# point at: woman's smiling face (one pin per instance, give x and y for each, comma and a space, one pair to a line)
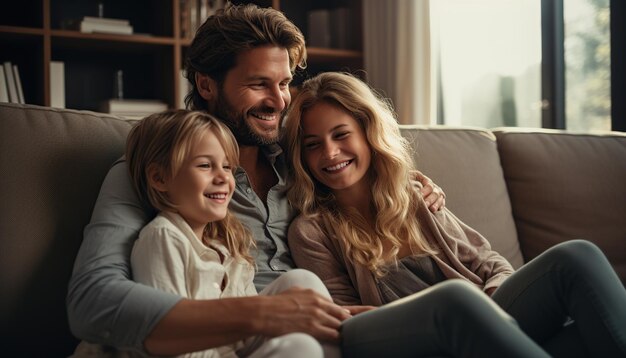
335, 148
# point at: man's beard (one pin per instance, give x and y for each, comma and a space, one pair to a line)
237, 123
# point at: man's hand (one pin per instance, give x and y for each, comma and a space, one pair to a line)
433, 195
303, 310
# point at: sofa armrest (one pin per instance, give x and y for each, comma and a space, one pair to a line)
52, 163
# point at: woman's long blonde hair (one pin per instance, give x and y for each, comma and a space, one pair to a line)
394, 198
164, 140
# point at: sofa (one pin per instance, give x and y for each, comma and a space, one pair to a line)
525, 190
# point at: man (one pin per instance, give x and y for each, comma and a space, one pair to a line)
240, 64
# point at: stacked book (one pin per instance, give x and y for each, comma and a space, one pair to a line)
90, 24
10, 84
331, 28
193, 13
132, 108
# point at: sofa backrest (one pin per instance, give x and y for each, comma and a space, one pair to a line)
466, 164
566, 186
52, 163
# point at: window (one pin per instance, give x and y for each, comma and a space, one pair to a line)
490, 71
587, 65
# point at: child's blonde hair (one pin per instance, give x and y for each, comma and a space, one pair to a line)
163, 141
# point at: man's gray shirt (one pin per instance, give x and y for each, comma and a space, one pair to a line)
105, 306
268, 224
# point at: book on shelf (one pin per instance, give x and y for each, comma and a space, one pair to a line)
57, 84
185, 26
319, 28
11, 85
185, 88
18, 85
193, 18
331, 28
91, 24
106, 21
209, 8
341, 28
132, 108
4, 92
87, 26
193, 13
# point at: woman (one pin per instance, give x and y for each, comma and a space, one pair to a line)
365, 231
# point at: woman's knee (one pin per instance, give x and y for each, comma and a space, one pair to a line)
455, 291
445, 297
450, 306
575, 254
461, 300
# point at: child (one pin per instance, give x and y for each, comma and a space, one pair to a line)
366, 232
181, 163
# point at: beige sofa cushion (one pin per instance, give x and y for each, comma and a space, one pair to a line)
465, 163
52, 163
567, 186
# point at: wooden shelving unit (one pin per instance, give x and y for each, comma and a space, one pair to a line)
151, 58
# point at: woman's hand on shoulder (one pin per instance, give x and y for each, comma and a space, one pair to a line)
433, 195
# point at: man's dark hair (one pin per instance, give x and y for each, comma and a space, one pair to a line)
229, 32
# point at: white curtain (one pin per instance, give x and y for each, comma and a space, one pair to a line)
397, 56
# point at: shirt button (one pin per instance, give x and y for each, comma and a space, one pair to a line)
248, 190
